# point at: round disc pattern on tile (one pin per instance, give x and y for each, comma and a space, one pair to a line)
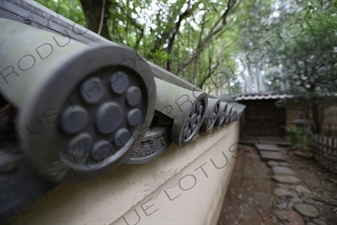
104, 117
74, 119
193, 120
212, 118
92, 90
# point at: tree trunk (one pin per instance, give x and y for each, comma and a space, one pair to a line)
316, 118
93, 11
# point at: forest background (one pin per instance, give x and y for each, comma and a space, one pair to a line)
228, 47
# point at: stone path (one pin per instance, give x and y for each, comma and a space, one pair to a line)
282, 170
267, 147
271, 152
272, 156
286, 179
291, 191
264, 140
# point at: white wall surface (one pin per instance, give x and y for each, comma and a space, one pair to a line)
192, 193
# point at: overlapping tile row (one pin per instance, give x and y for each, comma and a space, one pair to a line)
84, 105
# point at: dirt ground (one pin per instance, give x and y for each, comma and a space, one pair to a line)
250, 199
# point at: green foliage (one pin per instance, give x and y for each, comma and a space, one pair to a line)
291, 46
69, 9
192, 39
299, 136
227, 47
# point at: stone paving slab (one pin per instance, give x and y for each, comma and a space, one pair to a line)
331, 202
307, 200
289, 194
286, 179
284, 164
302, 190
285, 186
291, 216
306, 210
282, 170
272, 156
319, 222
284, 192
267, 147
264, 140
272, 163
296, 200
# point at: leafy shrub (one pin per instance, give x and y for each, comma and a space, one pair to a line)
299, 136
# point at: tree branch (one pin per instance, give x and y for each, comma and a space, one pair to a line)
92, 12
134, 23
102, 18
174, 32
216, 28
210, 70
